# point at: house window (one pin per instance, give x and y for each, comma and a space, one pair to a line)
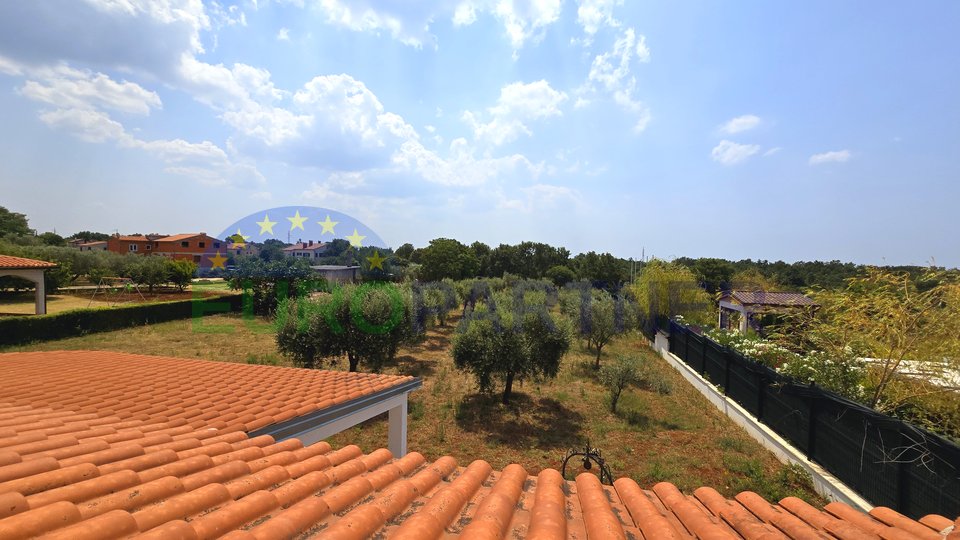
184, 244
202, 244
133, 247
216, 244
148, 246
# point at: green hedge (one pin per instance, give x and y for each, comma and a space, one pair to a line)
20, 330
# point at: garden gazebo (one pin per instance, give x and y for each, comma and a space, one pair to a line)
29, 269
748, 304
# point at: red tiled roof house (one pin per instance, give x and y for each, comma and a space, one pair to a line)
189, 246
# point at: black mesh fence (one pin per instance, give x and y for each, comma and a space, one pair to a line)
888, 461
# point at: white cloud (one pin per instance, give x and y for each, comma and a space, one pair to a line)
518, 103
70, 88
740, 124
526, 19
410, 22
611, 71
593, 14
261, 196
772, 151
462, 167
134, 35
731, 153
464, 15
836, 156
540, 196
283, 34
86, 124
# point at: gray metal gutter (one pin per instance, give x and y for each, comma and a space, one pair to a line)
295, 427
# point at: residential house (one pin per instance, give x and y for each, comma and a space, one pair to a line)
189, 246
310, 249
100, 245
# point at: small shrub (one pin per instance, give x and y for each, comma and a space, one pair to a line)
616, 377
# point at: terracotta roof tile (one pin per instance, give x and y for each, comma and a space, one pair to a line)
166, 479
770, 298
12, 263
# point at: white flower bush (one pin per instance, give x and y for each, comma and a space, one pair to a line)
844, 375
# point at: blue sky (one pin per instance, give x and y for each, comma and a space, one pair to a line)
810, 130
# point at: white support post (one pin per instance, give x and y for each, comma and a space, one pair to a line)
397, 436
40, 296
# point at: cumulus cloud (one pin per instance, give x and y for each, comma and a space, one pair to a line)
611, 72
71, 88
731, 153
518, 104
594, 14
133, 35
410, 22
740, 124
283, 34
835, 156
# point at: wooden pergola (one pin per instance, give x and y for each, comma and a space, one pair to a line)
751, 303
32, 270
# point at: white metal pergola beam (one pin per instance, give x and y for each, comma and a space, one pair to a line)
319, 425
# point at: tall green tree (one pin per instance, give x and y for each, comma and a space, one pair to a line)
714, 274
13, 223
667, 289
447, 258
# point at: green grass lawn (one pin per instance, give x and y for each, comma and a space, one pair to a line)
678, 437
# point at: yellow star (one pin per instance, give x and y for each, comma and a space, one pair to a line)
266, 226
327, 225
376, 261
239, 240
296, 222
355, 239
217, 260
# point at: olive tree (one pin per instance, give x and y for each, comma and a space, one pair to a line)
366, 324
504, 341
617, 376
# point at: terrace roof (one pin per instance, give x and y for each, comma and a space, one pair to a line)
8, 262
72, 468
763, 298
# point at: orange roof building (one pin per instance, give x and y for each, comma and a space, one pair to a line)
188, 246
86, 454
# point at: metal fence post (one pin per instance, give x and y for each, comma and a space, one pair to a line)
726, 371
903, 474
811, 429
761, 391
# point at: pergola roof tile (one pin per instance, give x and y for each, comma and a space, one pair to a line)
763, 298
9, 262
151, 478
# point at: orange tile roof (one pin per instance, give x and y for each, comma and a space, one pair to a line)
158, 389
16, 263
132, 238
76, 475
178, 237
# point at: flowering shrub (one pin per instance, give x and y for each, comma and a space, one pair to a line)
843, 374
761, 350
